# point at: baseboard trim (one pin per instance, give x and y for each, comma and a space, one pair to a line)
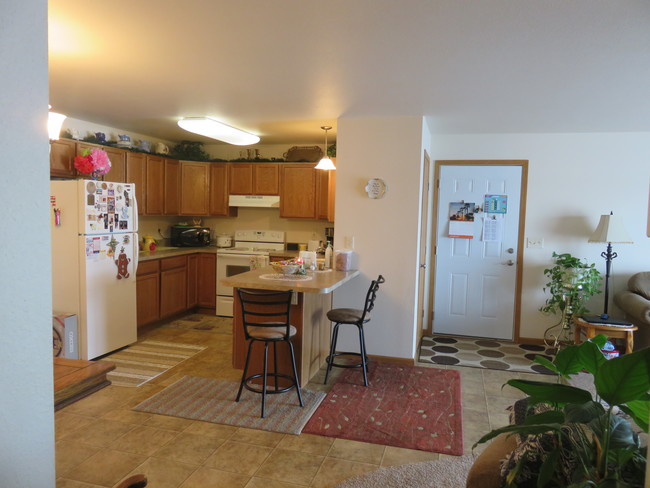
390, 359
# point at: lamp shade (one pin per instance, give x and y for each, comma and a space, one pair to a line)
54, 123
209, 127
610, 229
325, 163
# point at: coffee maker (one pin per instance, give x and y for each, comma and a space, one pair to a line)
329, 235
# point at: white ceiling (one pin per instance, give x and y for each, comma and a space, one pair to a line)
283, 68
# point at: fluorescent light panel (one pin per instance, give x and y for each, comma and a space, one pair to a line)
209, 127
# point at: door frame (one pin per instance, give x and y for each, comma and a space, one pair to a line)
520, 238
424, 256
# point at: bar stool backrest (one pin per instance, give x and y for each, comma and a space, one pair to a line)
371, 296
262, 308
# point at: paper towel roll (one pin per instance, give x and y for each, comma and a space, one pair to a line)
313, 245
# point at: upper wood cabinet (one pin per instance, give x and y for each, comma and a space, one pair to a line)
62, 153
195, 178
298, 190
254, 179
117, 173
172, 187
219, 189
136, 172
326, 187
155, 184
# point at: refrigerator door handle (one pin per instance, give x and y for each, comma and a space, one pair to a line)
136, 252
136, 217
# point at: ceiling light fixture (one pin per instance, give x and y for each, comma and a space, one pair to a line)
209, 127
54, 123
325, 163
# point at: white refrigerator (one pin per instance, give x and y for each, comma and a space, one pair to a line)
94, 261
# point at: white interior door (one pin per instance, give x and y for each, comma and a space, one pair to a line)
476, 274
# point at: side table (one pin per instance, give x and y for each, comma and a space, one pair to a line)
615, 331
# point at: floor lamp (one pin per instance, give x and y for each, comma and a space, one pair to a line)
610, 230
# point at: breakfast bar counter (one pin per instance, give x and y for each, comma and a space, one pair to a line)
312, 301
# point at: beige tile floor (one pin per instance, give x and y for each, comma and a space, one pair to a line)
100, 440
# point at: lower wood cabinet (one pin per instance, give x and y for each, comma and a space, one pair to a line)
169, 286
148, 292
173, 286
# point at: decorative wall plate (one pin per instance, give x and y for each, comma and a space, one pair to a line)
376, 188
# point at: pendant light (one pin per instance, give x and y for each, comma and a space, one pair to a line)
325, 163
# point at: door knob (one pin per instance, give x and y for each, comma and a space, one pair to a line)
510, 262
510, 250
423, 266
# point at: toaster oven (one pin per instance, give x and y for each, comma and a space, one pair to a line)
185, 236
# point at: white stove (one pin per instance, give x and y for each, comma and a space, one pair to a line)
251, 249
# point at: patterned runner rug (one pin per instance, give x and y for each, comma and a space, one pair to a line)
213, 400
143, 361
403, 406
201, 322
483, 353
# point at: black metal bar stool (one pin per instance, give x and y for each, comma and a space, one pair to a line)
358, 318
266, 318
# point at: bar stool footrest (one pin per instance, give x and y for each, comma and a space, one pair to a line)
270, 390
330, 360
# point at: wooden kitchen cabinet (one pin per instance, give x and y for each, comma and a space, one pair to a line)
207, 281
154, 185
62, 153
298, 190
173, 286
148, 292
195, 178
117, 173
192, 281
172, 187
136, 172
219, 190
326, 187
254, 179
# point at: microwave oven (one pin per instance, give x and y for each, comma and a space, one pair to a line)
184, 236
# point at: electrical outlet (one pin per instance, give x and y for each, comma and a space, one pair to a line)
535, 243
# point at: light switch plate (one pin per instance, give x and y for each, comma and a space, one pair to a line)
535, 243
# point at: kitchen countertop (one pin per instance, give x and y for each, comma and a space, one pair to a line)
321, 281
170, 252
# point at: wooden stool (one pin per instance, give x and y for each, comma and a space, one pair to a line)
615, 331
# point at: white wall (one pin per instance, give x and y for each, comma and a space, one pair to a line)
26, 404
572, 180
385, 230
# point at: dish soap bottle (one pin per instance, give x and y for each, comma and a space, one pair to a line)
328, 256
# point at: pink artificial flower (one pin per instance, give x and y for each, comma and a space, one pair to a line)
101, 163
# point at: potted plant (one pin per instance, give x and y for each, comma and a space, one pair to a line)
581, 441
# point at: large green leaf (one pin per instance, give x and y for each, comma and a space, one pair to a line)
568, 360
639, 410
625, 378
621, 434
583, 413
590, 354
548, 468
548, 417
518, 429
546, 363
556, 393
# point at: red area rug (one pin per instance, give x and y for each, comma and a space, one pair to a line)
404, 406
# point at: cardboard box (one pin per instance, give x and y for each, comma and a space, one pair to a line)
65, 336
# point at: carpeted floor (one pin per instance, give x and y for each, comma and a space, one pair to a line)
213, 400
483, 353
404, 406
443, 473
143, 361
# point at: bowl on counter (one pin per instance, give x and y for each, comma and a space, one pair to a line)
285, 268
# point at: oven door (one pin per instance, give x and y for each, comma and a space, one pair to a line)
231, 265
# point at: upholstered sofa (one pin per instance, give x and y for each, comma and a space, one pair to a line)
635, 303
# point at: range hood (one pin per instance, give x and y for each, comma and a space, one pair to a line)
264, 201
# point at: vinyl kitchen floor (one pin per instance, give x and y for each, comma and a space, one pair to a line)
100, 440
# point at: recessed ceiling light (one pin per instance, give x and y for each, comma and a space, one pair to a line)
209, 127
